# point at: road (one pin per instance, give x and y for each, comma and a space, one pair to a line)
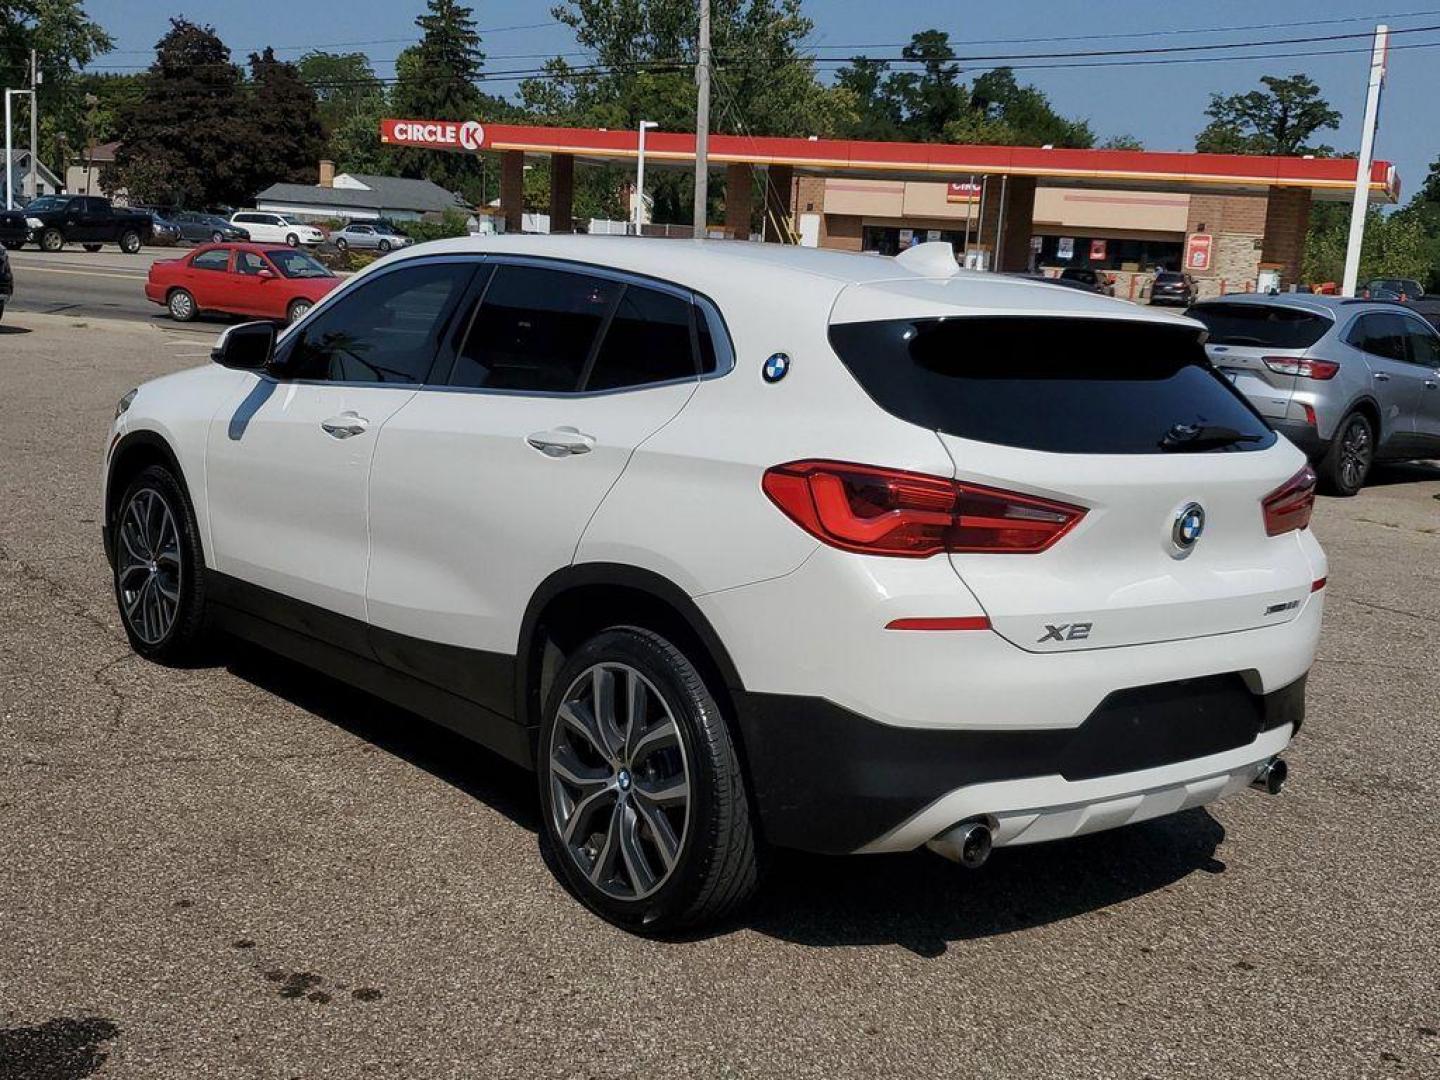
106, 283
241, 869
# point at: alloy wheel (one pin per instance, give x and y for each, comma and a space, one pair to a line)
182, 306
149, 568
619, 781
1356, 451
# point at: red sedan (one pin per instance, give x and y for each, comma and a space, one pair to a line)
263, 280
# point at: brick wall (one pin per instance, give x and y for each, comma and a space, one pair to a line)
1287, 219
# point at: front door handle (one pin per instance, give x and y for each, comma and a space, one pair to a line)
1380, 376
561, 442
345, 425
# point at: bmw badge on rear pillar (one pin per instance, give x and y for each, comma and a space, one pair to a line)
962, 592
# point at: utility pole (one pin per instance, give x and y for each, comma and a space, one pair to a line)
702, 121
1361, 202
34, 126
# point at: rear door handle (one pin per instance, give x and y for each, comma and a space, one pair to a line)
561, 442
1380, 376
345, 425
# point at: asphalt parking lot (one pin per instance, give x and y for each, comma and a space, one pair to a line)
243, 869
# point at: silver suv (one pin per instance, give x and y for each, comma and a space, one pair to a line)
1350, 382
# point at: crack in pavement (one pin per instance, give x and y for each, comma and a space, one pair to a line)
1391, 610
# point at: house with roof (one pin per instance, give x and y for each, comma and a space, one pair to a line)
360, 197
19, 178
82, 175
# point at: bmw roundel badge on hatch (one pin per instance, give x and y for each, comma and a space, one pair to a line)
776, 368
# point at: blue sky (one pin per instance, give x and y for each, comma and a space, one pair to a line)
1162, 104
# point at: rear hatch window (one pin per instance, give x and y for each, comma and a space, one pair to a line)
1062, 385
1266, 326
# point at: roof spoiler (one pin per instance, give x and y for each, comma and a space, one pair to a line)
935, 258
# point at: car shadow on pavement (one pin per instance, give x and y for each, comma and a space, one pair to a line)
459, 762
918, 901
1408, 472
6, 329
923, 902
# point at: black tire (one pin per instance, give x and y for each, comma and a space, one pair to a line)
384, 246
342, 245
182, 635
52, 240
292, 240
217, 237
181, 305
91, 247
1347, 463
130, 241
296, 311
714, 869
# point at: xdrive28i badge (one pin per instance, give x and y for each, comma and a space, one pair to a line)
776, 367
1187, 528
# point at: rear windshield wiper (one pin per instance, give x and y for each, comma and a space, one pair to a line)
1184, 438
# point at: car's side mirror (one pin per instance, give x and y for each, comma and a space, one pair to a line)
247, 347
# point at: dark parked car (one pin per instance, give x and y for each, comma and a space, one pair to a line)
7, 281
1392, 289
1084, 277
163, 231
1173, 287
88, 220
13, 230
201, 228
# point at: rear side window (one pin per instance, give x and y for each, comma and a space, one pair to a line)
534, 329
1380, 334
648, 341
1059, 385
1268, 326
216, 259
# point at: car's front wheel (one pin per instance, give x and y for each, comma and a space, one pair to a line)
292, 240
342, 245
159, 570
296, 311
52, 240
1346, 464
643, 800
384, 246
217, 237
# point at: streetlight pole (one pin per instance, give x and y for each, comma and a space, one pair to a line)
35, 126
702, 121
1361, 202
645, 125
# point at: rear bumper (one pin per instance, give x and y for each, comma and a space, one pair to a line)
1305, 437
827, 779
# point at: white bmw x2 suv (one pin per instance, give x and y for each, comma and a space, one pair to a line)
737, 544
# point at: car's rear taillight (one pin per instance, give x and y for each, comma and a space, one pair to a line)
1306, 369
891, 512
1289, 506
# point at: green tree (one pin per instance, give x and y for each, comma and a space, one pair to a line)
1281, 119
181, 142
287, 137
345, 86
1025, 112
65, 40
1396, 244
1122, 142
878, 115
933, 96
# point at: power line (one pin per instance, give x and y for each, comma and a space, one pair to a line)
327, 47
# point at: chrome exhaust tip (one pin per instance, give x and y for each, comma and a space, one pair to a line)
968, 844
1271, 777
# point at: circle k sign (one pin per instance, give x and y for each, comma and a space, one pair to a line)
472, 135
439, 134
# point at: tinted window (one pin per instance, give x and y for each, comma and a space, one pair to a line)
648, 341
1424, 345
715, 351
386, 330
1270, 326
244, 218
1380, 334
215, 259
1168, 279
534, 329
1061, 385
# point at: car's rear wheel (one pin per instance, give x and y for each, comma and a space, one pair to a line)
1346, 465
296, 311
91, 247
292, 240
130, 241
52, 240
181, 305
159, 571
645, 813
